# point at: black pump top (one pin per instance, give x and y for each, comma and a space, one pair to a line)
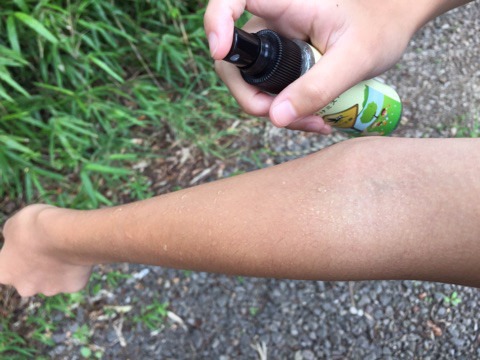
266, 59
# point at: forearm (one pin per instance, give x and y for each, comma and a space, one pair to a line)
426, 10
371, 209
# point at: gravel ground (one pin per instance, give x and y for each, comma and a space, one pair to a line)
234, 318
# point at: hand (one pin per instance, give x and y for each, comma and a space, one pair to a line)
360, 39
29, 259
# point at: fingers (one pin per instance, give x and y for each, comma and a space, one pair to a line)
335, 73
219, 22
251, 99
221, 15
314, 124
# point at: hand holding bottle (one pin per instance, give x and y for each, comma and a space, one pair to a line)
359, 40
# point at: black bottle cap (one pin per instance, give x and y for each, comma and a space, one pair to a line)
266, 59
245, 49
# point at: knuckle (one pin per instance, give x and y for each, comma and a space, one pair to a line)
255, 105
250, 104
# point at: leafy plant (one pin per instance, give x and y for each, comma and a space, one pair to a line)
63, 303
113, 278
11, 342
453, 299
153, 315
82, 334
77, 79
88, 89
467, 127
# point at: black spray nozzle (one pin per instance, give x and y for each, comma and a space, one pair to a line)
266, 59
245, 48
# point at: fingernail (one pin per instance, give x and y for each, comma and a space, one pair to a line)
213, 43
284, 114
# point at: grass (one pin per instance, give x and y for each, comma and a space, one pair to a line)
78, 78
13, 343
152, 316
29, 335
467, 126
88, 90
453, 299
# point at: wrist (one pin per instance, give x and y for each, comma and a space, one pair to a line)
62, 236
423, 11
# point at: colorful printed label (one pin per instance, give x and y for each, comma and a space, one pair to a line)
369, 108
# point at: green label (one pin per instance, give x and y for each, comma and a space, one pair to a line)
369, 108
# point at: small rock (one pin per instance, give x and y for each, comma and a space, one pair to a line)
141, 274
59, 338
364, 300
308, 355
453, 332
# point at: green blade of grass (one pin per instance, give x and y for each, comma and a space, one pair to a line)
9, 53
22, 5
5, 76
12, 143
12, 34
46, 173
37, 26
88, 188
104, 169
106, 68
4, 94
55, 88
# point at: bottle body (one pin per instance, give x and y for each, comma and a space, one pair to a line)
369, 108
271, 62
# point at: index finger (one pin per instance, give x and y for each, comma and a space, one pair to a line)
221, 15
252, 100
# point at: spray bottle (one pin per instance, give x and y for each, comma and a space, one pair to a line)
271, 62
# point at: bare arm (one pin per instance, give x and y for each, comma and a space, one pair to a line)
362, 209
426, 10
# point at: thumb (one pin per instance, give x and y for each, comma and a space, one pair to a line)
221, 15
336, 72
